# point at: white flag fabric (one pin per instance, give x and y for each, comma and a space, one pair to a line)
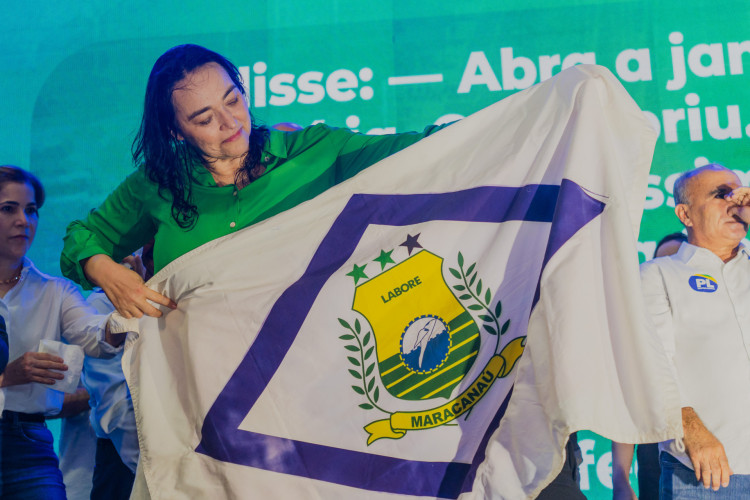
367, 343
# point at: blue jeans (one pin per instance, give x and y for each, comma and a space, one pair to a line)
678, 482
29, 468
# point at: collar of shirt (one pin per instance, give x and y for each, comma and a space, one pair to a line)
691, 254
274, 149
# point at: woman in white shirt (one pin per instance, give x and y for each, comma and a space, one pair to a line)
35, 306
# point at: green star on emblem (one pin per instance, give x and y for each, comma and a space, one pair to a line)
357, 273
384, 259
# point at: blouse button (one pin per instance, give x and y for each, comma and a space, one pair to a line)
234, 193
232, 224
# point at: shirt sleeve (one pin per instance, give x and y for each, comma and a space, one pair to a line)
659, 313
118, 227
82, 325
360, 151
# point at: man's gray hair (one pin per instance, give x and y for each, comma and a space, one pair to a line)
681, 184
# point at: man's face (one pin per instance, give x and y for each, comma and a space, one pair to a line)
708, 216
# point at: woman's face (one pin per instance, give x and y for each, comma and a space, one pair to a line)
18, 220
211, 113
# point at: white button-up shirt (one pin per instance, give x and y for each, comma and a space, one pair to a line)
112, 414
701, 309
46, 307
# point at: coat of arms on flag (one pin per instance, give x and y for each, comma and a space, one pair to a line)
423, 339
368, 344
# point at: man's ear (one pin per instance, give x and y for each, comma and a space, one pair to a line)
682, 211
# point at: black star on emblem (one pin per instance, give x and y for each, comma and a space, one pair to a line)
411, 243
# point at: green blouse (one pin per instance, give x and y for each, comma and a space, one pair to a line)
299, 166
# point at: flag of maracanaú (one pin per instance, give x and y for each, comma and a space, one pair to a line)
434, 327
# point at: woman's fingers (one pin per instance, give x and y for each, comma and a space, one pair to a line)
141, 306
160, 299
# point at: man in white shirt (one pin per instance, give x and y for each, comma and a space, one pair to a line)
112, 418
699, 300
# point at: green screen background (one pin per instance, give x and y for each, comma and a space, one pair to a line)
74, 74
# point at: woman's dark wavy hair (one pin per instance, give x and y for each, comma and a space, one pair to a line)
11, 173
167, 161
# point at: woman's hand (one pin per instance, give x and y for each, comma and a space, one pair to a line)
34, 367
124, 288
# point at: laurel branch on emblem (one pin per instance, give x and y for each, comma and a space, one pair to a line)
472, 293
363, 368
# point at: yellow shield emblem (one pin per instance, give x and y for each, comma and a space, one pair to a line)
426, 340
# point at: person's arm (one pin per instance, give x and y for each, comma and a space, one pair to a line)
94, 245
622, 458
73, 404
659, 313
361, 150
82, 325
119, 226
706, 453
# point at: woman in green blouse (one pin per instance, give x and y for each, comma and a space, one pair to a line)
206, 169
